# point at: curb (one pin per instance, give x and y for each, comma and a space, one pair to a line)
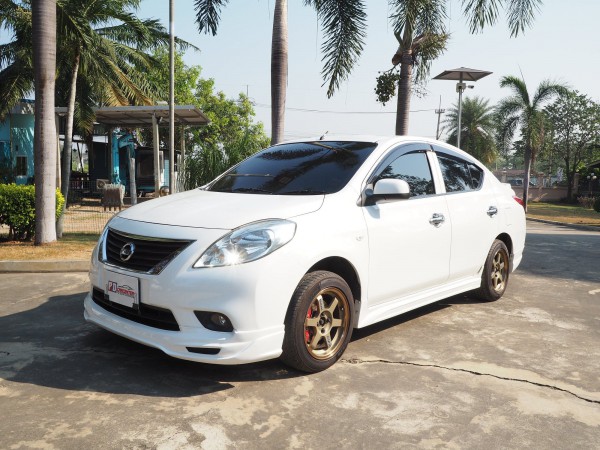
48, 266
52, 266
567, 225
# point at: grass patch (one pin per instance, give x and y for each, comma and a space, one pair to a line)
574, 214
72, 246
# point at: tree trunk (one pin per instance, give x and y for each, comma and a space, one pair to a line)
44, 61
132, 184
568, 166
68, 143
279, 71
404, 92
527, 176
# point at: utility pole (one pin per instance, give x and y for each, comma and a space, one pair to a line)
172, 186
439, 113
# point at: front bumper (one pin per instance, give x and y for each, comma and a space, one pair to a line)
254, 296
235, 347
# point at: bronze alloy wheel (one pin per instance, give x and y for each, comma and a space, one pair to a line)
326, 324
499, 272
318, 323
496, 271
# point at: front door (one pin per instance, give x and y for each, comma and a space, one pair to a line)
409, 240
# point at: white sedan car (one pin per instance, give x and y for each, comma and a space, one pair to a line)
289, 251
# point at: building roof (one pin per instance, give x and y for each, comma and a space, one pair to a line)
141, 116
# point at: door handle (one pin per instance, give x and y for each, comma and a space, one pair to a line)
492, 211
437, 219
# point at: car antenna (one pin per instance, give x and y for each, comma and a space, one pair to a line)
324, 134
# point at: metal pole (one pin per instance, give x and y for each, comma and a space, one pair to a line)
181, 171
460, 91
171, 96
156, 149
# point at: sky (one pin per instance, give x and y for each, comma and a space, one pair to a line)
562, 45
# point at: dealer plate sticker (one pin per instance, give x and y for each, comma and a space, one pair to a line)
123, 289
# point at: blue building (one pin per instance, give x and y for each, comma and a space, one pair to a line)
16, 144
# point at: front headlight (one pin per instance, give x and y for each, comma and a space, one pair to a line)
248, 243
100, 247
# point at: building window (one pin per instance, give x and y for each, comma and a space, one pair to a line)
21, 166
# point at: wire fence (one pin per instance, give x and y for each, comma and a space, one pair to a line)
87, 216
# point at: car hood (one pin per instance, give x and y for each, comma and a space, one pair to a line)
221, 210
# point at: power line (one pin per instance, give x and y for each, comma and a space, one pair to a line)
262, 105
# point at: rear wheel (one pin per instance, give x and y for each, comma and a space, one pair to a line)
318, 324
495, 272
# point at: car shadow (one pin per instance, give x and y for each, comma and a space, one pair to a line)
51, 345
462, 299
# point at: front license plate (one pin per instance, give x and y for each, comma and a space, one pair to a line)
123, 289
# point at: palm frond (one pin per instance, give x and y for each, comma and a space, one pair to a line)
426, 49
521, 14
480, 13
510, 106
16, 82
344, 23
208, 14
545, 91
518, 87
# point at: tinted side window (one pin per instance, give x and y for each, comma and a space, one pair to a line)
456, 174
414, 169
476, 176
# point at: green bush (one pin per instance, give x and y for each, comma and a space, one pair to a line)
597, 205
17, 209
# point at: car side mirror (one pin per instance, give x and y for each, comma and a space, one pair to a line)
388, 189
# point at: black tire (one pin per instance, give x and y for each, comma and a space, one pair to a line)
496, 271
319, 322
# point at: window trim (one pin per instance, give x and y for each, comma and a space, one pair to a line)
394, 154
450, 154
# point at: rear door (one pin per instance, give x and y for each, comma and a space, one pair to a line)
474, 213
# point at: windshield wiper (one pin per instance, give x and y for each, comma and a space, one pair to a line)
247, 189
303, 192
250, 175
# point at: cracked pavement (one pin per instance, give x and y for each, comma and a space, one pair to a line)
523, 372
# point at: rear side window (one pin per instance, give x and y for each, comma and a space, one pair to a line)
414, 169
476, 176
459, 175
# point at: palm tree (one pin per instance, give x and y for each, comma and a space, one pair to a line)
100, 64
525, 112
420, 31
344, 22
44, 58
16, 57
478, 128
107, 60
279, 71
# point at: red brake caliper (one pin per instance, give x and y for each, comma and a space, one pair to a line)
306, 332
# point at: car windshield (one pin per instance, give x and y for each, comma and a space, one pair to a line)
307, 168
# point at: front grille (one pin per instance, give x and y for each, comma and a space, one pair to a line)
152, 316
150, 255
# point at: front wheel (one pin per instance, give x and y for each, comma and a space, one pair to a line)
319, 322
495, 272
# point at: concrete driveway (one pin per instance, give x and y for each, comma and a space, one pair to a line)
523, 372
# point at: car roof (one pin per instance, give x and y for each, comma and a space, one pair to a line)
383, 141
